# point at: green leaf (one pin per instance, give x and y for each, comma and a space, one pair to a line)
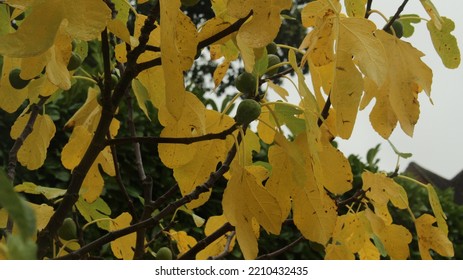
407, 21
93, 211
17, 208
20, 249
400, 154
287, 114
445, 43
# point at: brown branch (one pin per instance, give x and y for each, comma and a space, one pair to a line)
396, 16
280, 251
13, 155
172, 140
191, 254
356, 197
325, 111
107, 85
119, 181
368, 9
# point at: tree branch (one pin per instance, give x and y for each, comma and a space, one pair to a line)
191, 254
368, 9
172, 140
169, 209
281, 251
396, 16
97, 143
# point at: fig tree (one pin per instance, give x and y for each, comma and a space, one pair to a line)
248, 110
16, 81
246, 83
164, 253
273, 60
68, 229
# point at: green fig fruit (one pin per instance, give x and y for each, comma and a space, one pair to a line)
273, 60
246, 83
74, 62
248, 110
68, 229
15, 79
398, 29
272, 48
164, 253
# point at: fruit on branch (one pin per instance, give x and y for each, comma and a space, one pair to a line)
16, 81
246, 83
398, 29
68, 229
273, 60
189, 3
74, 62
272, 48
248, 110
164, 253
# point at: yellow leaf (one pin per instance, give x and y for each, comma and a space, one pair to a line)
369, 251
218, 246
266, 126
338, 252
282, 92
314, 213
337, 173
31, 188
350, 231
85, 19
436, 19
317, 9
43, 214
395, 238
220, 72
445, 43
437, 209
154, 82
58, 57
430, 237
88, 114
245, 199
179, 43
184, 241
398, 96
380, 190
212, 27
73, 151
123, 246
33, 151
208, 155
10, 98
355, 8
191, 122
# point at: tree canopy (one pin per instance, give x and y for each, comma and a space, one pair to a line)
147, 129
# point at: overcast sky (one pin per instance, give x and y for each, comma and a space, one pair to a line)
437, 143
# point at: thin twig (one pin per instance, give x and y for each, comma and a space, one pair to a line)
191, 254
282, 250
172, 140
226, 249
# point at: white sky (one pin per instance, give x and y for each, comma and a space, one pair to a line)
437, 142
